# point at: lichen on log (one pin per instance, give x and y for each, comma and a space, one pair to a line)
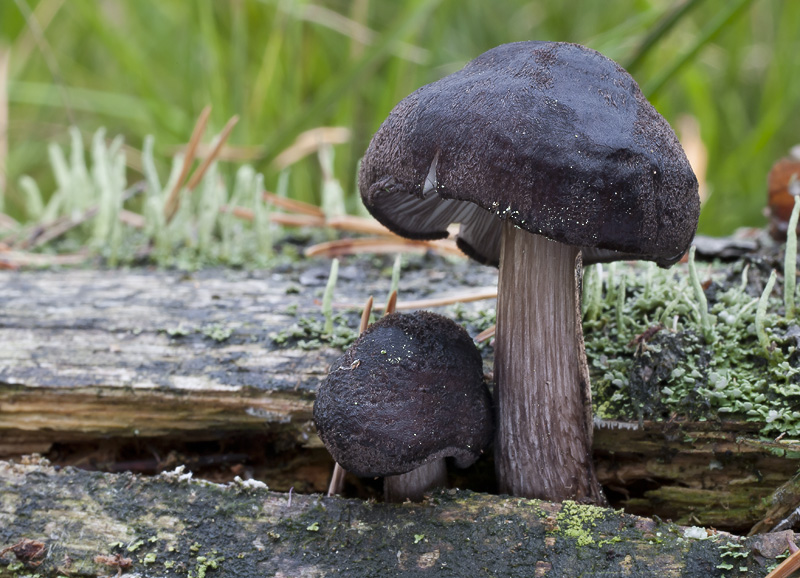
168, 358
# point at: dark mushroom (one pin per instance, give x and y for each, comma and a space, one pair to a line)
407, 394
543, 152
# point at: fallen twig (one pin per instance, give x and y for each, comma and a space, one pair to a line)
358, 225
480, 295
7, 222
293, 205
487, 333
305, 215
212, 156
309, 142
15, 259
132, 219
343, 247
287, 219
173, 201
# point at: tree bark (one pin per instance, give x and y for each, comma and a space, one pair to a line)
71, 522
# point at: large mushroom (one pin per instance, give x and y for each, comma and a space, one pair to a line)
544, 153
406, 395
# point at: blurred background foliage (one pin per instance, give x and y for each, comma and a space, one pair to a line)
140, 67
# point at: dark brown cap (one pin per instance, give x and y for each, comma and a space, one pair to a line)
554, 137
409, 391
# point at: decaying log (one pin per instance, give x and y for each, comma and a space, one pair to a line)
147, 353
718, 475
94, 355
72, 522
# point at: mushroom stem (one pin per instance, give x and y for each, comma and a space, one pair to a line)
415, 484
543, 443
337, 480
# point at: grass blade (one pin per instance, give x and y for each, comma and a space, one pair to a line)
667, 23
723, 19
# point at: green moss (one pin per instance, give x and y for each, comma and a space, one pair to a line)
179, 331
206, 563
667, 360
201, 233
310, 333
455, 531
733, 556
217, 332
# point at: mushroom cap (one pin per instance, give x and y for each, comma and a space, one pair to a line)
409, 391
554, 137
780, 197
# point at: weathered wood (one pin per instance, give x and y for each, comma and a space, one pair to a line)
783, 509
149, 353
712, 474
90, 524
89, 355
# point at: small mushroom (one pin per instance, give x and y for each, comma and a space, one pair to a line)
783, 184
544, 153
407, 394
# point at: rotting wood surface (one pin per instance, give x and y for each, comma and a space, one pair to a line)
92, 524
150, 353
90, 355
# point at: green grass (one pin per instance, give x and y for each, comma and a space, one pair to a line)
141, 67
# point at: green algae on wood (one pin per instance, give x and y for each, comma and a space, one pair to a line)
184, 527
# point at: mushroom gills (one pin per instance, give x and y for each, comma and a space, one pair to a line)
425, 218
430, 180
479, 235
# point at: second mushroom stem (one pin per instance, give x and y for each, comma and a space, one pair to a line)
414, 484
543, 441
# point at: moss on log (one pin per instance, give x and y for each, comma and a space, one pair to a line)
92, 524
